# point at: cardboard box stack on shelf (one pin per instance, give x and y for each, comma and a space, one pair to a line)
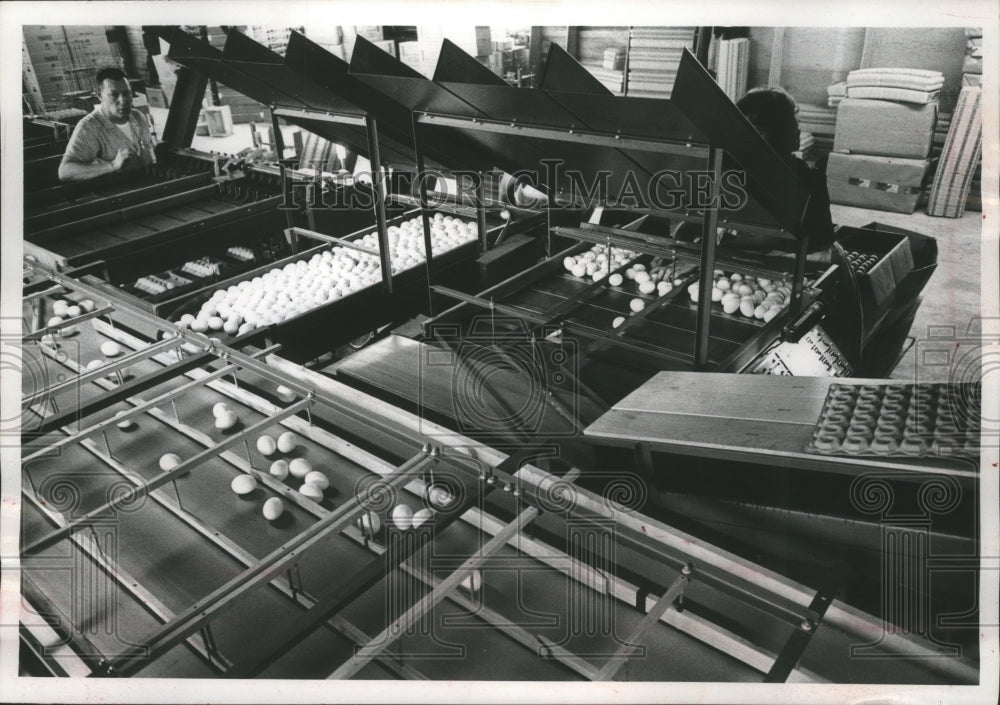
960, 158
507, 56
63, 59
732, 66
654, 54
884, 132
973, 76
242, 109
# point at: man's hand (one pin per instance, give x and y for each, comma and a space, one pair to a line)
120, 160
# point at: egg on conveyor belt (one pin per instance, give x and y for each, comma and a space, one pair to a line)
273, 508
125, 424
169, 461
315, 477
87, 305
73, 311
266, 445
370, 523
226, 420
283, 293
299, 467
637, 305
420, 516
110, 348
244, 484
286, 442
402, 517
440, 498
218, 409
618, 321
95, 365
472, 583
284, 393
59, 308
311, 491
53, 322
279, 469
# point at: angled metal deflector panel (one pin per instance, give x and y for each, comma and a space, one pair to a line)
562, 72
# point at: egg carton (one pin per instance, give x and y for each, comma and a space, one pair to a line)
904, 420
862, 262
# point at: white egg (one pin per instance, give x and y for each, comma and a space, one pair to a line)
266, 445
169, 461
226, 420
637, 305
110, 348
420, 516
472, 583
279, 469
125, 424
95, 364
286, 442
646, 287
299, 467
440, 498
54, 321
219, 408
370, 523
312, 492
402, 517
59, 308
87, 305
244, 484
273, 508
618, 321
615, 279
73, 311
579, 270
199, 325
317, 478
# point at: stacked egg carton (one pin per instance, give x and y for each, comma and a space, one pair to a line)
916, 420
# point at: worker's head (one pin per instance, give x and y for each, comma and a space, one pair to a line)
115, 94
772, 111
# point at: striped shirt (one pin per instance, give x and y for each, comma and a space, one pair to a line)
96, 137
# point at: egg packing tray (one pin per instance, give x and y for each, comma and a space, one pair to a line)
906, 420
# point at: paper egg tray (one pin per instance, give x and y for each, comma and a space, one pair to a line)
905, 420
861, 262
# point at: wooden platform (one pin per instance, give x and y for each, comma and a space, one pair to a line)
745, 418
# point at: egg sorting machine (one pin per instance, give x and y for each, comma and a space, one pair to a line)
490, 364
144, 548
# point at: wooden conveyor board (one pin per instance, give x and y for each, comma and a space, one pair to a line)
163, 559
748, 418
113, 232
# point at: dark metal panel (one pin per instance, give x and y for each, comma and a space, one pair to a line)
454, 66
255, 59
564, 73
202, 56
771, 180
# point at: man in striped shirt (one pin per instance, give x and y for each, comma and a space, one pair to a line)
112, 138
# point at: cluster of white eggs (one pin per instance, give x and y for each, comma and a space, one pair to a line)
753, 297
594, 262
63, 310
406, 240
283, 293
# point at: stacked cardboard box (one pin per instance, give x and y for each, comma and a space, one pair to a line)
881, 147
959, 158
653, 56
65, 58
733, 63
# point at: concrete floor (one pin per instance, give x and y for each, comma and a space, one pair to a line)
947, 329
